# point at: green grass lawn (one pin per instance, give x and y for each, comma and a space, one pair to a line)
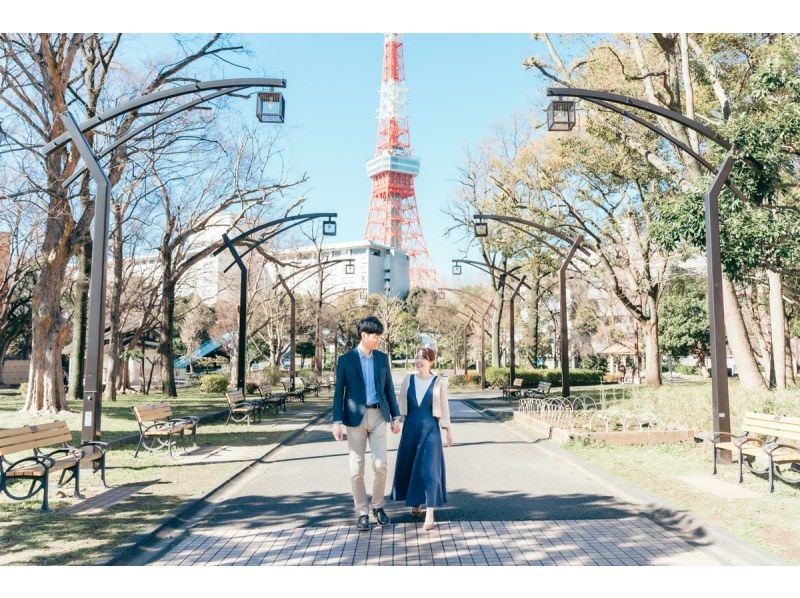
28, 536
769, 521
117, 418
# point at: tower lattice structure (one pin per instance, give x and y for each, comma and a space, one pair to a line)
393, 218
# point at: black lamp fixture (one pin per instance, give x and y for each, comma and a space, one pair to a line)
350, 268
481, 228
440, 295
270, 106
561, 115
362, 294
329, 228
456, 269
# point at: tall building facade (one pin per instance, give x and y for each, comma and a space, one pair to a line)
376, 268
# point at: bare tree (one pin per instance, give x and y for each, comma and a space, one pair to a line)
42, 75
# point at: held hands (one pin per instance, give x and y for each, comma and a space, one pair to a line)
395, 426
338, 431
450, 440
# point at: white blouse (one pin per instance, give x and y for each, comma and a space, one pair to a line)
421, 387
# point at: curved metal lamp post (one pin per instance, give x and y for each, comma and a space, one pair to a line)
512, 362
93, 384
482, 230
273, 228
561, 120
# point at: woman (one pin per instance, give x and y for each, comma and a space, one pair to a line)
419, 476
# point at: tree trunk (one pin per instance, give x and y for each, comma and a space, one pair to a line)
167, 333
233, 376
749, 375
77, 358
495, 329
115, 346
50, 331
319, 348
652, 372
535, 316
777, 316
789, 363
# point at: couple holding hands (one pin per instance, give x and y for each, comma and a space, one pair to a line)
364, 404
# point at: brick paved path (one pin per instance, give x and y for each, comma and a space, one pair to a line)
510, 502
630, 541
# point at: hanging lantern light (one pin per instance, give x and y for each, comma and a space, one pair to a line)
561, 115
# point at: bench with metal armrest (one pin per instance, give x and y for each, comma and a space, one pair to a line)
158, 428
310, 385
512, 390
297, 393
541, 391
270, 398
761, 437
35, 468
241, 409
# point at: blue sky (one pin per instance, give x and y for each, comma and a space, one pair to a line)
459, 85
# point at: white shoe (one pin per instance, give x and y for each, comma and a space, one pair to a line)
429, 522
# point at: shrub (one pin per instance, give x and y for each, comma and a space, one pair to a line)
577, 377
251, 388
23, 389
213, 383
458, 380
271, 375
680, 368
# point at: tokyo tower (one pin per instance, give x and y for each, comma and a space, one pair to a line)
393, 218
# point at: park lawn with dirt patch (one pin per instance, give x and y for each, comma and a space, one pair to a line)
769, 521
29, 537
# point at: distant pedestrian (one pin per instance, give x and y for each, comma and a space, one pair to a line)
419, 477
363, 402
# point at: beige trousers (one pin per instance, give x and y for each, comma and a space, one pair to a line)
372, 428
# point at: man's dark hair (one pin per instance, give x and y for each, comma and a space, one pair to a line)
370, 325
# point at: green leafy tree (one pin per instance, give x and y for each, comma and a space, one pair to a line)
683, 313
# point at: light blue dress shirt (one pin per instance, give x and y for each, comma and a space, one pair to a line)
368, 369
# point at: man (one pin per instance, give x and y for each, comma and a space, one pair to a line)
363, 402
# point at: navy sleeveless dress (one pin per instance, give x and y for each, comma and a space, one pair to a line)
419, 475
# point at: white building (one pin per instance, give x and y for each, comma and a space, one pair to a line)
207, 278
376, 268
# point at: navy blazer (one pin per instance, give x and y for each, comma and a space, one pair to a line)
350, 395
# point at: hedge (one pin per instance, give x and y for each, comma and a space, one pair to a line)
214, 383
472, 377
577, 377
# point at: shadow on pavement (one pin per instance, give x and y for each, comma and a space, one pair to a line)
315, 509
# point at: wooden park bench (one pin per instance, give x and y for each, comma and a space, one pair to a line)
327, 380
241, 409
34, 467
310, 385
541, 391
513, 390
297, 393
763, 435
159, 429
272, 399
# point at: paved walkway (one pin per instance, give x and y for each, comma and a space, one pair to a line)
629, 541
510, 502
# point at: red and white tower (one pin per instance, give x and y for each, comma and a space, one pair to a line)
393, 218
